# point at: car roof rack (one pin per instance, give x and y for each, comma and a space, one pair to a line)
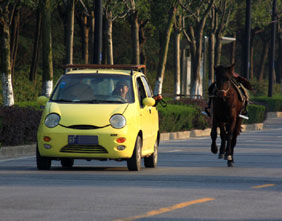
137, 67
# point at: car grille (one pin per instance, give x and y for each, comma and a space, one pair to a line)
83, 149
83, 127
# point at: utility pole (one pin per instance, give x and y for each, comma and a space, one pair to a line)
97, 58
248, 39
272, 49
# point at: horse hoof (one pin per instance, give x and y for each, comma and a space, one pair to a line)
221, 156
214, 149
230, 164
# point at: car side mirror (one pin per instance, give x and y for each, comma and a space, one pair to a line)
148, 101
42, 100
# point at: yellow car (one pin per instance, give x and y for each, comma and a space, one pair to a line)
99, 112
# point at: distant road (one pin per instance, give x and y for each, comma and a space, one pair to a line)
190, 183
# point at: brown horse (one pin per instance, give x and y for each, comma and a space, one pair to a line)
226, 107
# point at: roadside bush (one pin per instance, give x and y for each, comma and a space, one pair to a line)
272, 104
180, 118
18, 125
256, 114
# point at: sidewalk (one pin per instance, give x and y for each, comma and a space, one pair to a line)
270, 123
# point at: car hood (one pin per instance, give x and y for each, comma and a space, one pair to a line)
86, 114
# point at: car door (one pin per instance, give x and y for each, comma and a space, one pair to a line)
145, 115
154, 121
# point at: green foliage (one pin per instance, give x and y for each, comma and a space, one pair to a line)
256, 114
272, 104
28, 104
261, 88
18, 132
180, 118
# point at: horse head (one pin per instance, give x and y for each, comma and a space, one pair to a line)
223, 77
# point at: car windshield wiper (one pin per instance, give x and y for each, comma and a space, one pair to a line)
101, 101
90, 101
63, 100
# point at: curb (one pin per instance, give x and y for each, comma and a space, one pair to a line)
17, 151
27, 150
203, 133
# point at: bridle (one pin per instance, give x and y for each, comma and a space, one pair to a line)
221, 92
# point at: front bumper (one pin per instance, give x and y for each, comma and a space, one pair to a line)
106, 148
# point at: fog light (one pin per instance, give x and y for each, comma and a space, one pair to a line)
47, 146
121, 147
121, 139
47, 139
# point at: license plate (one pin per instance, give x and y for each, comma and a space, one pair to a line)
82, 140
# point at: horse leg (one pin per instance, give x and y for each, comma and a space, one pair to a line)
229, 151
214, 148
234, 139
223, 141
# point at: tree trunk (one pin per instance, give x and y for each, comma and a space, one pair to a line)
218, 48
15, 39
84, 34
279, 61
233, 50
92, 28
35, 57
135, 37
177, 64
70, 32
211, 57
86, 40
263, 60
109, 37
196, 55
163, 53
142, 42
7, 87
47, 79
251, 61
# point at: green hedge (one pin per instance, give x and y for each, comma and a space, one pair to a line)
180, 118
18, 124
273, 104
256, 114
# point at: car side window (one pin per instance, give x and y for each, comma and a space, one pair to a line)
147, 87
141, 91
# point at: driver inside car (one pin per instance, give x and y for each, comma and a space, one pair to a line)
121, 89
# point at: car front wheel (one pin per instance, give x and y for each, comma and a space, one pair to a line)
43, 163
134, 163
152, 160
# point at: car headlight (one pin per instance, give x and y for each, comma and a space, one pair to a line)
52, 120
118, 121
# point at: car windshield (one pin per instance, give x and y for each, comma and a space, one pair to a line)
94, 88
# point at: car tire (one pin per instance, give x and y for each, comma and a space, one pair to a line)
43, 163
134, 163
152, 160
67, 162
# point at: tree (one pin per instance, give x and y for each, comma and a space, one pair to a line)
35, 57
47, 56
178, 28
223, 11
70, 8
112, 10
197, 13
165, 35
7, 9
85, 18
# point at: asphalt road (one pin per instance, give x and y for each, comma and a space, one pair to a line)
190, 183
